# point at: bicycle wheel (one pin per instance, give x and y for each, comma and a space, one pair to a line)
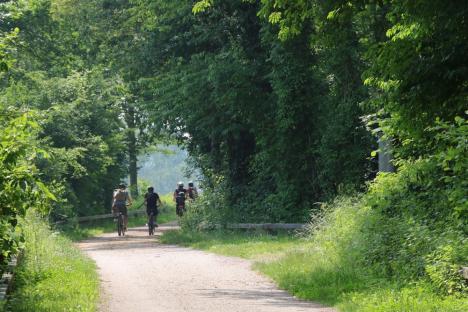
119, 225
121, 228
151, 225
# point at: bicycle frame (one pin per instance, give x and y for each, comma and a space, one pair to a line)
120, 224
151, 224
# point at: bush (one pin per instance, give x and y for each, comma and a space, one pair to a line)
420, 232
20, 187
207, 212
361, 259
333, 264
399, 246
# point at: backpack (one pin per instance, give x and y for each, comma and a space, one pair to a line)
180, 198
192, 192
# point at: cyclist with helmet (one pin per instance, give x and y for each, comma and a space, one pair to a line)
180, 195
120, 200
152, 201
192, 192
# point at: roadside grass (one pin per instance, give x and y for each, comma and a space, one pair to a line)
294, 263
52, 275
248, 245
77, 232
351, 288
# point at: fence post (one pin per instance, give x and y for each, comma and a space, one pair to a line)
385, 156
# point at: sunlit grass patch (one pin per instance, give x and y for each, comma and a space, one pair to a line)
410, 298
53, 275
239, 244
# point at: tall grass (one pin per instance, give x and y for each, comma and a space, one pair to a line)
330, 266
53, 275
337, 268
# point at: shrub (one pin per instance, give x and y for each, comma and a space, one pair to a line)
207, 212
20, 187
421, 228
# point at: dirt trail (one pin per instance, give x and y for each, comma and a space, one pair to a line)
139, 274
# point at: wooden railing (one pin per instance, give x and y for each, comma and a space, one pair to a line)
246, 226
6, 279
267, 226
131, 213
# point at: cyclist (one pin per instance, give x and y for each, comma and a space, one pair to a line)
152, 201
192, 192
120, 200
180, 188
180, 195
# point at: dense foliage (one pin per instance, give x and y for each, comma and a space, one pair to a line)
279, 103
78, 101
20, 187
262, 118
410, 228
61, 130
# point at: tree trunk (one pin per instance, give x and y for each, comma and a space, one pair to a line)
133, 170
385, 156
132, 150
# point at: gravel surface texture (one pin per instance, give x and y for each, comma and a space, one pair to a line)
139, 274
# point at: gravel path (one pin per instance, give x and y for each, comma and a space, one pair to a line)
139, 274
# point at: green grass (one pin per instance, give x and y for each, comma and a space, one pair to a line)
355, 289
410, 298
85, 230
53, 275
240, 244
297, 266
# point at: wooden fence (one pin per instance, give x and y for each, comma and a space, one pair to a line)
6, 279
267, 226
131, 213
246, 226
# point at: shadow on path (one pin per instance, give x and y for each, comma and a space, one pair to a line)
135, 238
267, 296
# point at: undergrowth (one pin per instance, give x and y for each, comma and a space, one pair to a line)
53, 275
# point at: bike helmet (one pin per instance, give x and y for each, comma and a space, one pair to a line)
190, 184
150, 189
122, 186
180, 184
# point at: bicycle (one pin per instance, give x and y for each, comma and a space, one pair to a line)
151, 224
180, 209
120, 224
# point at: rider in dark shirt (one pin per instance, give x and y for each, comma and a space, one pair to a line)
152, 202
192, 192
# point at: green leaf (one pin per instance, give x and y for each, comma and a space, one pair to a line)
45, 190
